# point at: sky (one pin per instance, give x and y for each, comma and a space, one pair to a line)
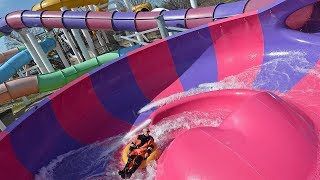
7, 6
2, 46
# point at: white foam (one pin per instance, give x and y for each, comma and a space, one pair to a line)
109, 148
177, 124
294, 61
231, 82
68, 162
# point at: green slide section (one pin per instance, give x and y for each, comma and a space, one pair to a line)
58, 79
21, 48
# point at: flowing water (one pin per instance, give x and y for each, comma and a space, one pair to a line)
102, 160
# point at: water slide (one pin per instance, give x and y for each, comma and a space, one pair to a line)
52, 81
55, 5
117, 21
265, 128
95, 20
4, 56
10, 67
30, 85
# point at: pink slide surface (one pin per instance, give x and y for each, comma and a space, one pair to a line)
237, 98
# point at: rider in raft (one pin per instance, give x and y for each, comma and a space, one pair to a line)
140, 149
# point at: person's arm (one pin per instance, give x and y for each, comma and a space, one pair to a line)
133, 145
150, 148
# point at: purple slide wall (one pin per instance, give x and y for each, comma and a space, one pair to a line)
104, 102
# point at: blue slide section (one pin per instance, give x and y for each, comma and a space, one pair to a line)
10, 67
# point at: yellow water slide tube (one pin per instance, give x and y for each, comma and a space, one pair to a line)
55, 5
142, 7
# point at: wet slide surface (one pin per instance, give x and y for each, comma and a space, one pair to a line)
187, 18
258, 130
52, 81
13, 59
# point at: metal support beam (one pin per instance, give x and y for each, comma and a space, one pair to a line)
194, 3
86, 33
81, 44
104, 34
79, 40
26, 67
61, 55
128, 5
176, 29
144, 32
40, 52
91, 8
71, 43
2, 126
90, 42
139, 38
128, 34
59, 49
145, 38
32, 51
117, 3
162, 26
27, 70
101, 41
98, 32
133, 40
105, 39
26, 100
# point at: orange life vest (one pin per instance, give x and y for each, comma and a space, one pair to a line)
142, 144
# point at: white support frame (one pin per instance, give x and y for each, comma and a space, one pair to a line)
26, 70
131, 37
194, 3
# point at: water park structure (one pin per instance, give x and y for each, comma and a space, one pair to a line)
233, 97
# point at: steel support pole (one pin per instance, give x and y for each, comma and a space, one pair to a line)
59, 49
194, 3
32, 51
40, 52
162, 27
128, 5
79, 40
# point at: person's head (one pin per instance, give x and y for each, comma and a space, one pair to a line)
145, 131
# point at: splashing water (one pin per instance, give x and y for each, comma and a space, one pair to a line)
102, 160
294, 62
239, 81
84, 162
